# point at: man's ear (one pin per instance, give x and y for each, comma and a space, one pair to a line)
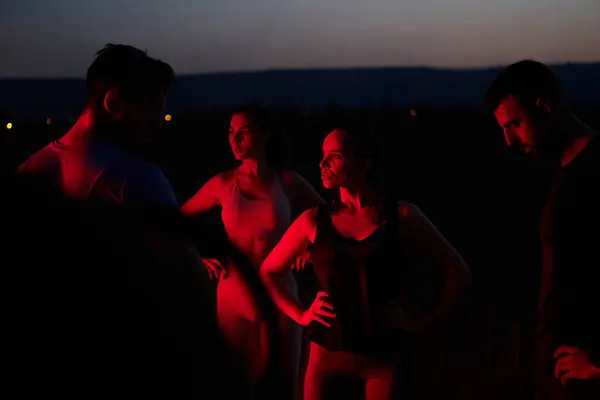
545, 105
113, 104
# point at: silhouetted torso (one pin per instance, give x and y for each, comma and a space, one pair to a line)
568, 304
93, 308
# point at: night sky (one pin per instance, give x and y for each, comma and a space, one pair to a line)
57, 38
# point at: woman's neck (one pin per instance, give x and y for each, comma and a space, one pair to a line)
257, 168
354, 199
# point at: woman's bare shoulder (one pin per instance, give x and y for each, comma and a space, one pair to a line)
308, 223
309, 216
218, 184
223, 179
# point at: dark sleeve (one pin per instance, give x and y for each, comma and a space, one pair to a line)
148, 187
578, 261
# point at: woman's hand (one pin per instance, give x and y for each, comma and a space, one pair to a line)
318, 311
301, 262
215, 268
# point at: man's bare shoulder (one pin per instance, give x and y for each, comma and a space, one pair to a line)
40, 160
407, 210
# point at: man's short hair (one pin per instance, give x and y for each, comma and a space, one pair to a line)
527, 80
128, 69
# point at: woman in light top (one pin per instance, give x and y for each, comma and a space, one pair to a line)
360, 247
257, 200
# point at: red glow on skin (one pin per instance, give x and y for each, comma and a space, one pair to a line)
516, 124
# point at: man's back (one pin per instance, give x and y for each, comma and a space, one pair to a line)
100, 172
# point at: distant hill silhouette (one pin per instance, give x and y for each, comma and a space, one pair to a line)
351, 87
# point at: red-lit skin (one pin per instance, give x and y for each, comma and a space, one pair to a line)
130, 125
246, 142
255, 177
520, 129
346, 173
531, 133
574, 363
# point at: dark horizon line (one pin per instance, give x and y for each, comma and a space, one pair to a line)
321, 69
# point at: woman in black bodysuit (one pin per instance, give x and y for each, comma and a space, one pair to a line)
359, 245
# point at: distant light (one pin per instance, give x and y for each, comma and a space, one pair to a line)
413, 113
168, 117
9, 125
48, 121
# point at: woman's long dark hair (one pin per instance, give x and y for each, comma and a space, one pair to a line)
365, 144
277, 148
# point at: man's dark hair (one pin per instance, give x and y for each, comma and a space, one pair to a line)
128, 69
527, 80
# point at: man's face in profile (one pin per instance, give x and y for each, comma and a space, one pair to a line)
528, 129
517, 124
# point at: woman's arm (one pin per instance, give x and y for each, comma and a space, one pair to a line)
205, 199
295, 241
425, 238
302, 197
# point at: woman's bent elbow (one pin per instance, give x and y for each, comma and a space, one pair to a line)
265, 276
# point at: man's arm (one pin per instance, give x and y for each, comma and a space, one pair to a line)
577, 255
147, 188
